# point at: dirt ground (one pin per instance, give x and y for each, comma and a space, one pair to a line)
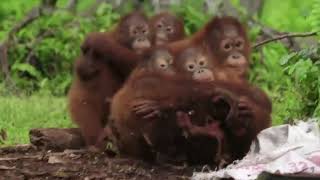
25, 162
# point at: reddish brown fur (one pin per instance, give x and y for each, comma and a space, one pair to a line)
220, 27
121, 32
237, 131
228, 136
204, 138
134, 132
136, 135
216, 31
114, 55
209, 38
194, 63
146, 92
131, 130
99, 73
121, 35
249, 115
115, 47
251, 108
167, 28
87, 98
251, 105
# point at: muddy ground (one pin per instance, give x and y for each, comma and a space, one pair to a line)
26, 162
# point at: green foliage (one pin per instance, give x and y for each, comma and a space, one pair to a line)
44, 50
12, 11
20, 114
290, 78
305, 76
193, 15
287, 15
314, 17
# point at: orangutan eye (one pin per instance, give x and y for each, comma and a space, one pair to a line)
239, 44
226, 45
202, 63
162, 63
135, 32
163, 66
191, 67
144, 31
169, 29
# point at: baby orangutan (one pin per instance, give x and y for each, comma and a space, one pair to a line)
191, 87
225, 42
130, 123
167, 28
143, 112
236, 112
106, 61
247, 116
195, 64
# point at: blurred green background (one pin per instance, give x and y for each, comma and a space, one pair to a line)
41, 39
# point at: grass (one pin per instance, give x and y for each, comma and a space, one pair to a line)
19, 115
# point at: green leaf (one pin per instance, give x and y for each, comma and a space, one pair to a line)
285, 59
24, 67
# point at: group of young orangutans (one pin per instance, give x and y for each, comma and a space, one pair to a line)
155, 91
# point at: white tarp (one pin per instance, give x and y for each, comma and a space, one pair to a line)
282, 149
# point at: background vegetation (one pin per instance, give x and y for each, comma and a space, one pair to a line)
38, 69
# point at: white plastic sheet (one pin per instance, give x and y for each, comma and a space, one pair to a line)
281, 149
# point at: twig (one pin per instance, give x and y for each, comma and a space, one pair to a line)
35, 13
4, 46
31, 53
284, 37
4, 62
266, 31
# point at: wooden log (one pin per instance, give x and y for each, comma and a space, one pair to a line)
56, 139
